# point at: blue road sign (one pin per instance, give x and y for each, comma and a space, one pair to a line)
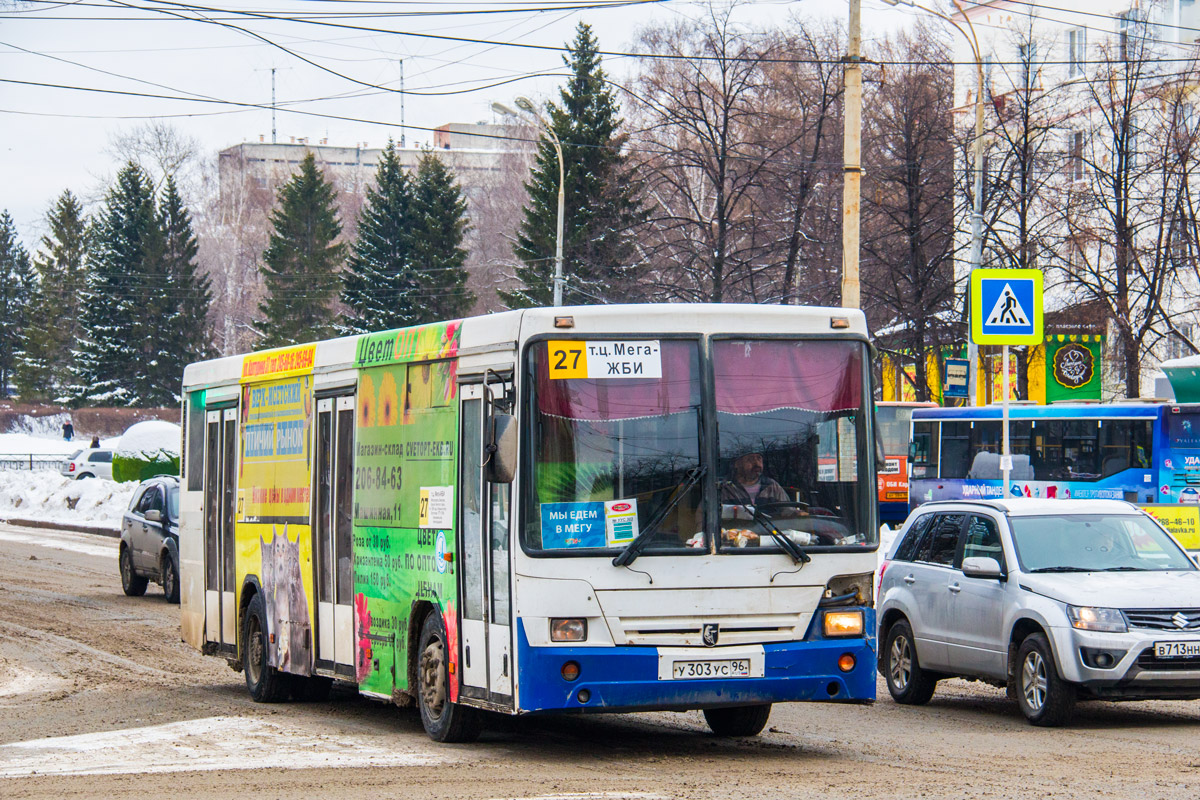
1006, 306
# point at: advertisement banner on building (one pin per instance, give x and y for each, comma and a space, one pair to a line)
1073, 368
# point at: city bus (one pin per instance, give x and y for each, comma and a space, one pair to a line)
894, 422
535, 511
1146, 453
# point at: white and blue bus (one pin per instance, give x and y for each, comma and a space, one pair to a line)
592, 509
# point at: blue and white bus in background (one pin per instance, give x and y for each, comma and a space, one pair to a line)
1144, 453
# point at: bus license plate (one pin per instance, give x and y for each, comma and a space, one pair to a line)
728, 668
1176, 649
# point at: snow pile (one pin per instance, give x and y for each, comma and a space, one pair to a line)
25, 444
44, 495
147, 449
49, 426
155, 440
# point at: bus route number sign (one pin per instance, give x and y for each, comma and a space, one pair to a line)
601, 360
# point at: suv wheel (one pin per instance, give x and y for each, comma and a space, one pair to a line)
1045, 699
133, 584
906, 681
170, 579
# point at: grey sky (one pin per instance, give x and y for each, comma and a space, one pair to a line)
53, 139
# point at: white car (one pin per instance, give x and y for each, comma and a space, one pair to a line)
93, 462
1057, 600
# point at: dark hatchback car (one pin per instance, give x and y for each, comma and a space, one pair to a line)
150, 538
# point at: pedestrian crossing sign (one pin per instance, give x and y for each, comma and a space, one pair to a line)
1006, 306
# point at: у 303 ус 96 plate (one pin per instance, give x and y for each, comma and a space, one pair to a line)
724, 668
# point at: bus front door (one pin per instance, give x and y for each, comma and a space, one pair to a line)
332, 533
220, 493
486, 607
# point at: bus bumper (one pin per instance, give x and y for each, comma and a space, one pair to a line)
624, 678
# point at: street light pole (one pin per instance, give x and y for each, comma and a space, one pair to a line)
526, 105
852, 161
976, 251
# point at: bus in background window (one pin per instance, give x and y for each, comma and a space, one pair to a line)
1144, 453
593, 509
894, 421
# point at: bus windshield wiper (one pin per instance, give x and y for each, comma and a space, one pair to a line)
631, 551
791, 548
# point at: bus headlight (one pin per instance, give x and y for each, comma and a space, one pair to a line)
844, 623
572, 629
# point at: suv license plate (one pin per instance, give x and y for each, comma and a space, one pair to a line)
729, 668
1176, 649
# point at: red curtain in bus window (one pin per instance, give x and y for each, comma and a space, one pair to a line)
766, 374
602, 399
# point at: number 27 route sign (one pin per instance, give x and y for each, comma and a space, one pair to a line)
1006, 306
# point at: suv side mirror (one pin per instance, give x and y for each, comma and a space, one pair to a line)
982, 567
501, 448
153, 515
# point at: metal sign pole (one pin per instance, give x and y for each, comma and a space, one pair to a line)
1005, 452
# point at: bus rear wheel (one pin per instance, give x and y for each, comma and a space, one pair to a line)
443, 720
265, 683
738, 720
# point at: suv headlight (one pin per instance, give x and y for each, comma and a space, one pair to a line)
1090, 618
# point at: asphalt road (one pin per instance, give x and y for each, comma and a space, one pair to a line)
100, 699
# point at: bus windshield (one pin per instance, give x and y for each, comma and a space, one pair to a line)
609, 452
790, 424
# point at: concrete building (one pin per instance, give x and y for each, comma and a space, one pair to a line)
1059, 133
490, 162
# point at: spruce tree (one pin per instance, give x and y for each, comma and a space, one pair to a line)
190, 291
439, 225
300, 264
55, 321
600, 206
378, 284
126, 248
17, 286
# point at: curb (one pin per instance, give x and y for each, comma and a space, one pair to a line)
112, 533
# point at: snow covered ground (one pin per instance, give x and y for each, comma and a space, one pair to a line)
47, 495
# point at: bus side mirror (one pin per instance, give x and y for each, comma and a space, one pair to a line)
500, 451
880, 455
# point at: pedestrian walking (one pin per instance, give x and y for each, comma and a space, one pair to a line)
68, 431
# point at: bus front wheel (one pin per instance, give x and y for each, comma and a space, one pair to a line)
443, 720
738, 720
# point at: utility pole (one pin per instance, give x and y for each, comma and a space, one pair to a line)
852, 157
402, 128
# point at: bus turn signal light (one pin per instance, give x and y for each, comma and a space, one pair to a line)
843, 623
846, 662
572, 629
570, 671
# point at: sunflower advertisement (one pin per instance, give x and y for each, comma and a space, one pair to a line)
407, 419
404, 493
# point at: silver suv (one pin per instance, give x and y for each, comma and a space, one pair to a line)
1057, 600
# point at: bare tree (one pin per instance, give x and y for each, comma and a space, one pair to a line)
1126, 196
162, 151
908, 198
802, 185
704, 159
